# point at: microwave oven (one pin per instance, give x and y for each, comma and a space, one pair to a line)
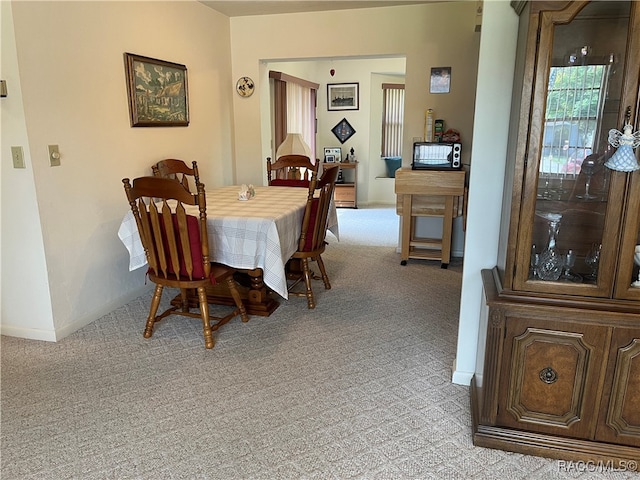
436, 156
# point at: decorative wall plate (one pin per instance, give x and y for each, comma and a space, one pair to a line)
343, 130
245, 86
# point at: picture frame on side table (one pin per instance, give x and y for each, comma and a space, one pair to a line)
343, 96
332, 154
157, 91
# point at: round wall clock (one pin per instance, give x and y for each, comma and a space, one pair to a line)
245, 86
343, 130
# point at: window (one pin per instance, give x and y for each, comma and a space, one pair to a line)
392, 119
574, 109
301, 114
294, 109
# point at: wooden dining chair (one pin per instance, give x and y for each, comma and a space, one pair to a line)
312, 242
291, 171
177, 170
175, 241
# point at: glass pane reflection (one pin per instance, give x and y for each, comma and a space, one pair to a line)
582, 104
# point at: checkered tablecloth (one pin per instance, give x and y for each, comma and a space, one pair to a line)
259, 233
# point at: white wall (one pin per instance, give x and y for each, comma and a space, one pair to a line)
493, 104
431, 35
66, 80
26, 304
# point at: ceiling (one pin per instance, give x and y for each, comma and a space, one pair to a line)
239, 8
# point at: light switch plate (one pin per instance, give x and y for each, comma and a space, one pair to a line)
18, 157
54, 155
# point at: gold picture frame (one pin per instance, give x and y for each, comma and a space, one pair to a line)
157, 91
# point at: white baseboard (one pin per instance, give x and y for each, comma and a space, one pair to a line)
66, 330
462, 378
454, 254
29, 333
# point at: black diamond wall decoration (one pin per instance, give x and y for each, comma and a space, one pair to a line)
343, 130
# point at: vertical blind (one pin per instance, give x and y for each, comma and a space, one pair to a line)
392, 119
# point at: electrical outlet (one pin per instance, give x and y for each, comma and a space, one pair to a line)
18, 157
54, 155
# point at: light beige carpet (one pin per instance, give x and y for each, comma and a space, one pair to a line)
358, 388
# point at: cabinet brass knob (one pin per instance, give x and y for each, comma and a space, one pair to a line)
548, 375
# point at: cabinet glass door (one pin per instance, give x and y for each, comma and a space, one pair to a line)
628, 276
574, 203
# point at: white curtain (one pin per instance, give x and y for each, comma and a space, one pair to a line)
301, 114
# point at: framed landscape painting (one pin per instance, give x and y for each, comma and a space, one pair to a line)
157, 90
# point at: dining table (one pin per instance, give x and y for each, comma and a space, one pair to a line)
256, 236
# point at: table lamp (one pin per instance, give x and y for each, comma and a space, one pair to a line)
293, 144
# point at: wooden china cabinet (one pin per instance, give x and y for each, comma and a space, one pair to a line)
558, 370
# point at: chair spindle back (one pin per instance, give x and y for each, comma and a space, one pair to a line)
177, 170
175, 242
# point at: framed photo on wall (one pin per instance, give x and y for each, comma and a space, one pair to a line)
440, 80
343, 96
332, 154
157, 90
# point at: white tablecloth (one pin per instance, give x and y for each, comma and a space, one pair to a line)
259, 233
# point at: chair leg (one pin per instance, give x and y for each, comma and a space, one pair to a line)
185, 299
233, 289
307, 280
323, 272
204, 313
155, 303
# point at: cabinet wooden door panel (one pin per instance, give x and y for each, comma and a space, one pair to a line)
552, 370
619, 420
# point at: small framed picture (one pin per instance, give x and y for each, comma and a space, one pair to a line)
343, 96
440, 80
332, 154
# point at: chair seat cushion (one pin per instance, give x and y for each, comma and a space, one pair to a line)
289, 182
308, 241
195, 246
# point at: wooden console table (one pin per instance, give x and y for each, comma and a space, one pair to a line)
428, 193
